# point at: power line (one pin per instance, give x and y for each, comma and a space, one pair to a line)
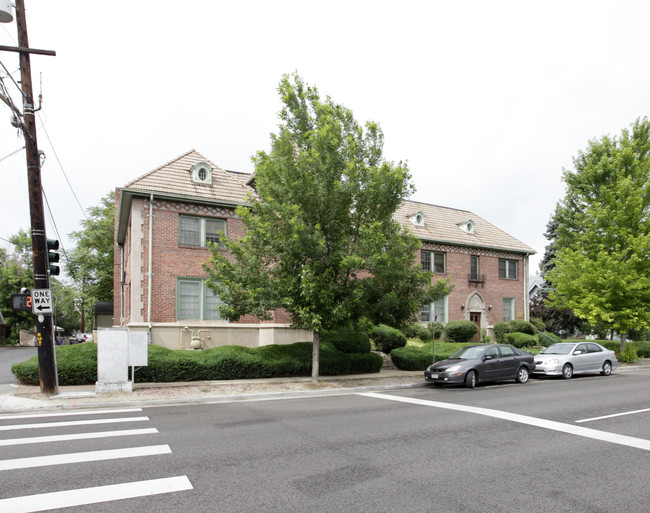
61, 166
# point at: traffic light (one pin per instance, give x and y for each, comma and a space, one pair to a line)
53, 256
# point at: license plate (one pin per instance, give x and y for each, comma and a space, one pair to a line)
434, 376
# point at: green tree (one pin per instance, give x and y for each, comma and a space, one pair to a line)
90, 263
320, 240
602, 270
16, 272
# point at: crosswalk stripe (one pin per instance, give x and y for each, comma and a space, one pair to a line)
67, 413
80, 457
41, 425
77, 436
94, 495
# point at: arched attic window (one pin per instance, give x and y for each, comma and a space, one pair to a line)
202, 173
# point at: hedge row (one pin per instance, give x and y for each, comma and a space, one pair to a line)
77, 364
419, 358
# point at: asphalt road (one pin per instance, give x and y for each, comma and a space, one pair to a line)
11, 355
499, 448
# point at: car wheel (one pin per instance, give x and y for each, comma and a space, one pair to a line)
522, 375
567, 371
607, 369
470, 379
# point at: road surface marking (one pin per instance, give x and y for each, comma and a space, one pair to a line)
66, 413
72, 423
614, 415
80, 457
77, 436
94, 495
638, 443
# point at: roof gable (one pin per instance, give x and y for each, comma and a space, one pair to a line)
176, 178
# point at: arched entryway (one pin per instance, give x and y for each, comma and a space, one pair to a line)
476, 312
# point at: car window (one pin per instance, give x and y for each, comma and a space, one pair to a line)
493, 352
467, 353
561, 348
594, 348
507, 351
581, 347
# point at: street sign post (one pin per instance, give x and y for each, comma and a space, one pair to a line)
42, 301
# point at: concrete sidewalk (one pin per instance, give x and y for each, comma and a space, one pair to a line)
20, 398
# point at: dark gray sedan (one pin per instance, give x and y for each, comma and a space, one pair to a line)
485, 362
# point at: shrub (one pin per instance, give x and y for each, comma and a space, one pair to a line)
386, 338
460, 331
77, 364
547, 338
519, 339
538, 323
629, 355
501, 329
419, 358
417, 330
521, 326
643, 349
347, 340
436, 329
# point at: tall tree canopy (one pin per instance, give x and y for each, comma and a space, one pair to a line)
602, 268
320, 240
15, 273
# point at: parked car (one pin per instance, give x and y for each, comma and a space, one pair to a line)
485, 362
568, 358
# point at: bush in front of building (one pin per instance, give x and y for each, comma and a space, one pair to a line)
436, 329
417, 330
521, 326
500, 329
77, 364
347, 340
460, 331
420, 357
519, 339
386, 338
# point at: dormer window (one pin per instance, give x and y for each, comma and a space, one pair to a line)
467, 227
418, 218
202, 173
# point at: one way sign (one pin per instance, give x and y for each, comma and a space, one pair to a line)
41, 301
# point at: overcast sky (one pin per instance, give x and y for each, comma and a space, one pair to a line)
487, 101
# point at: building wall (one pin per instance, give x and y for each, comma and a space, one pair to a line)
484, 297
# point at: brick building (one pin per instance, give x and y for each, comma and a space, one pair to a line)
165, 217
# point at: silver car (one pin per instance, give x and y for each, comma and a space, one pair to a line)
568, 358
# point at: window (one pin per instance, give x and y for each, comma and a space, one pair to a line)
433, 261
507, 351
435, 312
202, 173
507, 269
473, 268
195, 300
594, 348
508, 309
198, 231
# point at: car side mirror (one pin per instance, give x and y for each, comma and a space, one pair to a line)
577, 352
487, 357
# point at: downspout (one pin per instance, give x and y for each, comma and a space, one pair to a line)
150, 273
122, 279
526, 301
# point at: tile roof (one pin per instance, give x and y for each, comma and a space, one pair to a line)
441, 224
444, 225
175, 178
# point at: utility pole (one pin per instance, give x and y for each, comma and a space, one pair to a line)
44, 327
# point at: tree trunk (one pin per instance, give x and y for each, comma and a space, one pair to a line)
623, 342
315, 357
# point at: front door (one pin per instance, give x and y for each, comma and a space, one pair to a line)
475, 317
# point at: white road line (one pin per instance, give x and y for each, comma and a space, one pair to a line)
77, 436
94, 495
637, 443
613, 415
66, 413
80, 457
72, 423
